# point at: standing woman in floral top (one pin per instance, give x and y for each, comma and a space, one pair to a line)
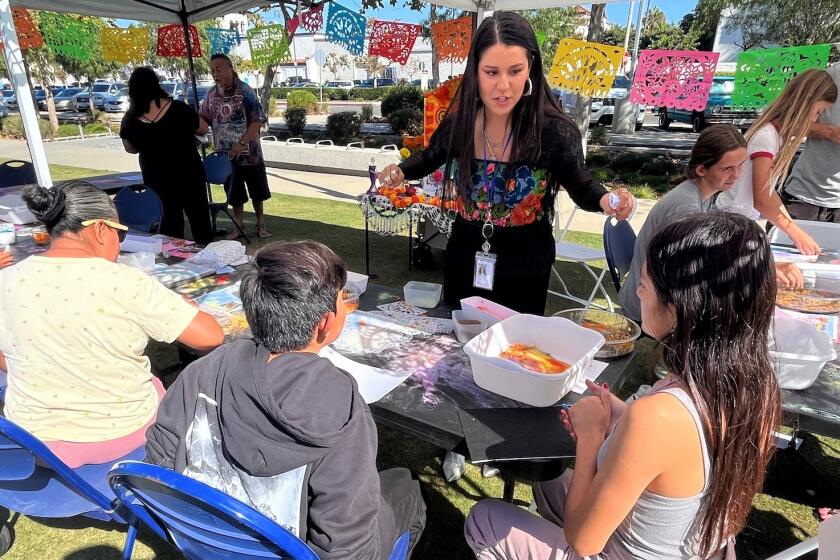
507, 148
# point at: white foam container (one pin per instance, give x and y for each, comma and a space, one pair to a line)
485, 310
422, 294
799, 352
358, 281
14, 210
465, 333
826, 234
141, 244
560, 337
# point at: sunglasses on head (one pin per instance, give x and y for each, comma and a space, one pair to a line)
121, 230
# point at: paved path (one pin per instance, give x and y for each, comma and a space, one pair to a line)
107, 154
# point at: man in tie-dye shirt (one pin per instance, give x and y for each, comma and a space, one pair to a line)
234, 113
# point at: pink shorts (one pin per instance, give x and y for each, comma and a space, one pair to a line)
76, 454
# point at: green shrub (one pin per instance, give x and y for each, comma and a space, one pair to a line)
630, 161
302, 98
65, 130
367, 112
295, 119
598, 159
333, 94
344, 127
13, 127
599, 136
369, 94
603, 174
272, 105
95, 128
660, 166
407, 120
402, 97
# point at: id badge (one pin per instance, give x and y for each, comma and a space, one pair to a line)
485, 270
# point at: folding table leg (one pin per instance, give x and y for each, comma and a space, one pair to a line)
510, 485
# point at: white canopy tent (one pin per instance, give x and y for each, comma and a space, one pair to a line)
164, 11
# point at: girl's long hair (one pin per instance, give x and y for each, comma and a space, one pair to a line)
143, 88
529, 114
717, 271
791, 113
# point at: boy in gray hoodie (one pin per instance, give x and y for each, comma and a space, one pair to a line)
268, 421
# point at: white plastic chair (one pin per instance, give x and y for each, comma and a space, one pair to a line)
580, 254
797, 550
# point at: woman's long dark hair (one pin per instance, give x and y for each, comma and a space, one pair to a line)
717, 271
511, 29
143, 88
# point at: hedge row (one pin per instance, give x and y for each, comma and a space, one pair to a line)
337, 94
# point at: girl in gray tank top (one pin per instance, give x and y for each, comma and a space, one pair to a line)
672, 475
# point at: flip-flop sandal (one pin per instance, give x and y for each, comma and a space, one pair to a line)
263, 232
235, 233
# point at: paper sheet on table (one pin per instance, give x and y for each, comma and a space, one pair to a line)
374, 383
596, 369
829, 538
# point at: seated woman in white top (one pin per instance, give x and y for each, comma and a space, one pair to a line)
772, 143
673, 474
73, 328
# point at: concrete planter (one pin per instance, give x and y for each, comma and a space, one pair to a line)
324, 157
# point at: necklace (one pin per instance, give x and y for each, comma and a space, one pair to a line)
490, 144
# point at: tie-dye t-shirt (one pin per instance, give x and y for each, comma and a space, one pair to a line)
229, 113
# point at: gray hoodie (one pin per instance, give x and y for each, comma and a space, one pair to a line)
293, 427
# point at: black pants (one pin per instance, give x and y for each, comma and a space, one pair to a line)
801, 210
524, 255
402, 493
190, 200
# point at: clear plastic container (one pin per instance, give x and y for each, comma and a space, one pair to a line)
798, 352
358, 281
467, 326
619, 332
560, 337
422, 294
486, 310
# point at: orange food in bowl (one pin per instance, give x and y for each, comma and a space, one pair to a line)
533, 359
40, 237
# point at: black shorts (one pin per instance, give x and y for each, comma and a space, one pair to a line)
255, 178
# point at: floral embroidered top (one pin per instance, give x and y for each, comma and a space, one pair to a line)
516, 193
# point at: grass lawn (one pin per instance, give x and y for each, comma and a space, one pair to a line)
781, 516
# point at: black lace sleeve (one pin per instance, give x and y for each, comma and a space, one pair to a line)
433, 157
563, 157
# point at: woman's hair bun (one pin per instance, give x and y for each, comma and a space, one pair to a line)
38, 199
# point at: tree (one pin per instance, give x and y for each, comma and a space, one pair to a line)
436, 15
334, 62
765, 23
656, 35
373, 65
47, 71
556, 23
584, 102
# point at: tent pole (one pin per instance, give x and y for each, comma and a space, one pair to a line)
28, 112
186, 25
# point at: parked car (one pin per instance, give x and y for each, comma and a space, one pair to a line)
176, 89
99, 91
718, 110
603, 108
340, 84
3, 111
310, 85
37, 97
63, 100
380, 82
56, 89
202, 93
118, 102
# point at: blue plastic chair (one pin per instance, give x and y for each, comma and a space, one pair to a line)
200, 521
619, 241
219, 171
34, 482
139, 210
204, 523
17, 172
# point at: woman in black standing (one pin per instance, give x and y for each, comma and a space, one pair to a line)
507, 148
162, 130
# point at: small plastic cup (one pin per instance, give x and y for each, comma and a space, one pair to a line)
40, 236
350, 295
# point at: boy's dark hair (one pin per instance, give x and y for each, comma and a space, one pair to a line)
287, 289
